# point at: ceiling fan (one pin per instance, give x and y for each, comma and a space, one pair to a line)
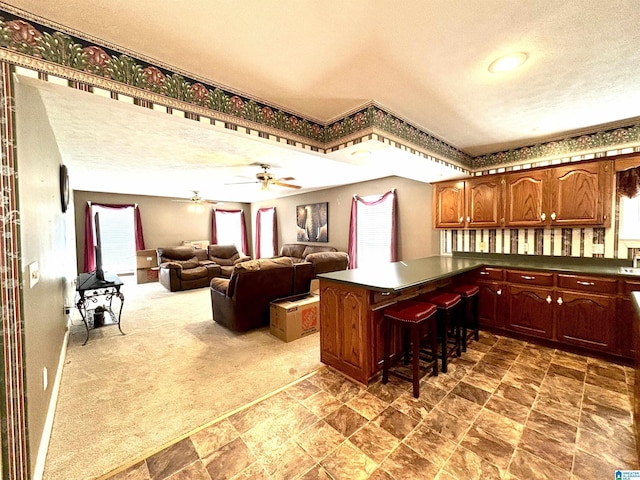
266, 179
196, 199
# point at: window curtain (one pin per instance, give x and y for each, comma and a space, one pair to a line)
629, 182
359, 202
89, 239
243, 227
274, 226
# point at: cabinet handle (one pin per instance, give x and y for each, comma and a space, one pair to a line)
559, 301
527, 277
553, 215
548, 298
461, 219
499, 292
468, 219
543, 217
586, 284
484, 273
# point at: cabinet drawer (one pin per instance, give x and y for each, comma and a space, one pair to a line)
630, 286
377, 297
487, 274
588, 284
530, 278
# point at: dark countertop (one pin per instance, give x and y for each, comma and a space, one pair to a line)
393, 277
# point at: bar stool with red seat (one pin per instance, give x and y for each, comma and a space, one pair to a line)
470, 321
412, 316
448, 316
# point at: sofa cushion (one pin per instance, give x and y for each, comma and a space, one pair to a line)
176, 253
220, 285
193, 273
309, 249
188, 264
294, 250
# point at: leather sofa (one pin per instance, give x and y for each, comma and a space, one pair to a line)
241, 302
324, 258
227, 256
185, 267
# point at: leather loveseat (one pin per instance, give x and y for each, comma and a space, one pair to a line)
241, 302
324, 258
185, 267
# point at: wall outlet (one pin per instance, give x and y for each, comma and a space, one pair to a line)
526, 248
598, 248
45, 378
482, 246
34, 274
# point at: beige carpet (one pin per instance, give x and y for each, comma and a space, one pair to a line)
123, 397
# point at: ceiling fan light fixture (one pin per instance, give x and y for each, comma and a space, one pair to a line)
508, 62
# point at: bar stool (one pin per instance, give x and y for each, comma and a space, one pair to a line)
470, 322
448, 316
412, 317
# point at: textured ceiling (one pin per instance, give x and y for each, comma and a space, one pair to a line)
425, 61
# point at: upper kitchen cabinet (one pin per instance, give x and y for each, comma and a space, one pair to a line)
524, 198
448, 205
573, 195
484, 202
581, 194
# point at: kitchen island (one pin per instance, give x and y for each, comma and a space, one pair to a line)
352, 303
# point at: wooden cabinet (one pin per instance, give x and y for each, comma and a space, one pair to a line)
529, 303
483, 200
580, 194
449, 205
572, 195
490, 297
628, 336
586, 311
344, 335
524, 199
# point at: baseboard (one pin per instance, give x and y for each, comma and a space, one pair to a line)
48, 425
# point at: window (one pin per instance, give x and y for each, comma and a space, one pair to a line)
117, 238
372, 233
629, 218
229, 229
266, 233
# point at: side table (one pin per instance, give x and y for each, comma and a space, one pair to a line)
90, 290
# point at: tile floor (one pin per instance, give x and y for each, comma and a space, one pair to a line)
506, 409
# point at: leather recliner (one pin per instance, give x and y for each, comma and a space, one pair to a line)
185, 267
324, 258
241, 302
227, 256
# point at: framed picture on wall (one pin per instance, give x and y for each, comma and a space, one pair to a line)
313, 222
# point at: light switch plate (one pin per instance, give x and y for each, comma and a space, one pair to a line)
34, 274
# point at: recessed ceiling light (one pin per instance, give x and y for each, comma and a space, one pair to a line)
508, 62
361, 153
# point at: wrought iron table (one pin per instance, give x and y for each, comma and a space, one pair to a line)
90, 290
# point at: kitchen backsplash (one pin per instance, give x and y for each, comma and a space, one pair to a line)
561, 242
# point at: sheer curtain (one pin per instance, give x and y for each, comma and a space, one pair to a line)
266, 233
373, 229
228, 227
89, 239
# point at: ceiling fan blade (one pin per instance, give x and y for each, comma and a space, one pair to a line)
285, 179
242, 183
288, 185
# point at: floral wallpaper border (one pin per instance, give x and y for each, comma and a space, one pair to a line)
42, 39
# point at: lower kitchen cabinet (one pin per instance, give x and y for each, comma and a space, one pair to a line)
529, 310
592, 313
586, 320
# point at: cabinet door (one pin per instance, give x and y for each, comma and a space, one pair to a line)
448, 205
579, 194
626, 323
586, 320
490, 306
484, 203
529, 310
525, 199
